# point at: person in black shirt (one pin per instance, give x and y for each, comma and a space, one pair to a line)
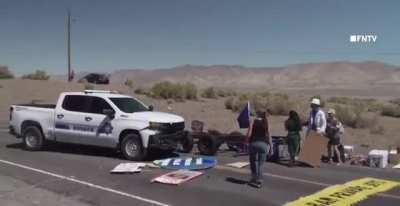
259, 138
293, 126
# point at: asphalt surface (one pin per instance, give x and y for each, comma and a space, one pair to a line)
81, 174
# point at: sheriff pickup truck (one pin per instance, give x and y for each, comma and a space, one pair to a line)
99, 118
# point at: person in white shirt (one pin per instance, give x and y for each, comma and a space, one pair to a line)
317, 118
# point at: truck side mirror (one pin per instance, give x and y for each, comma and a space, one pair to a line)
110, 113
151, 108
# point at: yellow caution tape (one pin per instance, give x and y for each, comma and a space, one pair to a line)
346, 194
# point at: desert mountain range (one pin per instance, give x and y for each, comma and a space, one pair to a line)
341, 74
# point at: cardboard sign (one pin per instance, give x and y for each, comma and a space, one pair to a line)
312, 149
238, 164
128, 168
177, 177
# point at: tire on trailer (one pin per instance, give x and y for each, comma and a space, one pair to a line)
186, 143
132, 148
33, 138
233, 143
208, 145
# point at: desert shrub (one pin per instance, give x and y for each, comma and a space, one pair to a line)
226, 93
278, 104
37, 75
370, 105
129, 83
346, 115
168, 90
339, 100
365, 120
5, 72
391, 111
162, 90
141, 91
230, 92
222, 93
209, 93
89, 86
229, 103
355, 117
190, 91
377, 129
395, 101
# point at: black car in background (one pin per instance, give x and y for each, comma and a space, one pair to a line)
96, 78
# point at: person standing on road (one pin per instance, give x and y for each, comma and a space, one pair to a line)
293, 127
317, 119
334, 132
258, 135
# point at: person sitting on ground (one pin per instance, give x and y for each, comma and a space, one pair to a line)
317, 120
293, 126
334, 132
258, 135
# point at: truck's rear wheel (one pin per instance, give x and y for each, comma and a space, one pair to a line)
132, 148
33, 138
208, 145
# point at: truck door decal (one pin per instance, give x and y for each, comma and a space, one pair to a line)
61, 125
104, 127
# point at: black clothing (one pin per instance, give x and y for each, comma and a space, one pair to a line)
259, 132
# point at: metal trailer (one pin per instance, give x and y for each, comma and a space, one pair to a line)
209, 142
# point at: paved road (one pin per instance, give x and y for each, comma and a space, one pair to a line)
79, 175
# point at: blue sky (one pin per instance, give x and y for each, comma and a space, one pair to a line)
122, 34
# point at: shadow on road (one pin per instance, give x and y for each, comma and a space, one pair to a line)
297, 164
236, 181
92, 150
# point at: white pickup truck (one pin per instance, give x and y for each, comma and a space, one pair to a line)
99, 118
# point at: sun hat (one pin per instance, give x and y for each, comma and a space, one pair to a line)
316, 101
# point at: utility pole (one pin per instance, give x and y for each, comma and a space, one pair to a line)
69, 45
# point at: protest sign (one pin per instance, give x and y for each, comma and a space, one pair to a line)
238, 164
128, 168
177, 177
189, 163
312, 149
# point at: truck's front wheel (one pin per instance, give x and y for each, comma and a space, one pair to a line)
33, 138
132, 148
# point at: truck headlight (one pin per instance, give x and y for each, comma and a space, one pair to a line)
155, 125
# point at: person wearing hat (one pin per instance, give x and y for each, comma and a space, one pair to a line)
317, 119
334, 131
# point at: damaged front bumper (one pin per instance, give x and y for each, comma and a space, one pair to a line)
167, 141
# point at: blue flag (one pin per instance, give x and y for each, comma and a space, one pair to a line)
244, 117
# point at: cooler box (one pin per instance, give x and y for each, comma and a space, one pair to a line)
348, 151
283, 152
378, 158
278, 149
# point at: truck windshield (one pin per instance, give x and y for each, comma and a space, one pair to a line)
129, 105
